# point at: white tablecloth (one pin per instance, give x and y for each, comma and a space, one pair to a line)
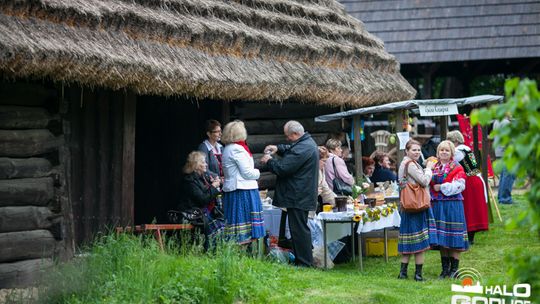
272, 219
339, 230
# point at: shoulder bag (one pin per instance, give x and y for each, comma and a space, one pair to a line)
340, 187
414, 198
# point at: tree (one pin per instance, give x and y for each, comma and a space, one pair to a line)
521, 157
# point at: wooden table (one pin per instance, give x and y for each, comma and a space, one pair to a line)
393, 220
155, 229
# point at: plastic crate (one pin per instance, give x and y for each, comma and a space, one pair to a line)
375, 247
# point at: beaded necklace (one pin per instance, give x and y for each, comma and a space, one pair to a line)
443, 169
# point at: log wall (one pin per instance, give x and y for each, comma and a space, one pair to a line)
32, 182
264, 124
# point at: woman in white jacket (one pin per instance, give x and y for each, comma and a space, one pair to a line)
241, 201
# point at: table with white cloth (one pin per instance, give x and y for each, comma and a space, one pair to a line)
272, 220
388, 217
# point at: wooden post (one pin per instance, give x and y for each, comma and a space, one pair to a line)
357, 146
444, 126
485, 153
88, 104
476, 149
128, 160
426, 90
398, 114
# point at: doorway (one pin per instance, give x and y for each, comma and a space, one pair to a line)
167, 130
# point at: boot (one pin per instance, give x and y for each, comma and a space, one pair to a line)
403, 271
471, 237
454, 266
418, 273
445, 264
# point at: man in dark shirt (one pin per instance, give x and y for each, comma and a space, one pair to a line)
296, 185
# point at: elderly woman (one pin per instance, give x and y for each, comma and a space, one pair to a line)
212, 148
241, 200
415, 232
382, 172
201, 190
335, 166
368, 167
447, 183
475, 194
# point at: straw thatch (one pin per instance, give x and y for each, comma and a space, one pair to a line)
309, 50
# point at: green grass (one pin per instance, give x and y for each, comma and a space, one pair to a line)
133, 270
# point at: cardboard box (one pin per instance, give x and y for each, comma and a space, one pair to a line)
375, 247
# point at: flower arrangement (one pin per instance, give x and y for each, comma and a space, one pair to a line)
360, 187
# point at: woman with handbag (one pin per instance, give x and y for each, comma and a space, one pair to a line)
446, 185
241, 200
415, 232
337, 176
201, 190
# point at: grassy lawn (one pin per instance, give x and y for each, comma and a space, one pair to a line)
132, 270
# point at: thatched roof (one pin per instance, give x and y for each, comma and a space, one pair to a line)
309, 50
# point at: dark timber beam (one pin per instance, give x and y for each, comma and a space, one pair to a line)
128, 160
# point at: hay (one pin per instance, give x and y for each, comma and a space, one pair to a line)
310, 50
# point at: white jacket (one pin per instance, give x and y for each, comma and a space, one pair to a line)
238, 169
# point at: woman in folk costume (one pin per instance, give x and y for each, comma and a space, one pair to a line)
241, 201
447, 183
475, 194
416, 233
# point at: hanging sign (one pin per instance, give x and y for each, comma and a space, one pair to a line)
438, 109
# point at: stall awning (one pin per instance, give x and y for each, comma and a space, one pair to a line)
410, 104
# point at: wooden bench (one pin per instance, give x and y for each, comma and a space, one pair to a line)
155, 229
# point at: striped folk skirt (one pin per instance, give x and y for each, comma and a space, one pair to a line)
243, 215
416, 232
450, 224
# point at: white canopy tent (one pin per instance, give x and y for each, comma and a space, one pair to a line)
399, 107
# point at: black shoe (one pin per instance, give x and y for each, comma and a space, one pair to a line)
454, 266
403, 271
418, 273
445, 265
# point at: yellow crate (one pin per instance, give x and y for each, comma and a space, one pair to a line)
375, 247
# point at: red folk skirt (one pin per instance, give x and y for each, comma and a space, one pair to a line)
474, 204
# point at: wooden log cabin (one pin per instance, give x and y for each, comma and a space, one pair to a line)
101, 101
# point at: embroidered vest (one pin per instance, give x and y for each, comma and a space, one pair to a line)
469, 163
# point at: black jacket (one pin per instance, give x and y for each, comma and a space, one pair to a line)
297, 172
198, 191
381, 174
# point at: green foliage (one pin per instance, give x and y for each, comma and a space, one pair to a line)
522, 157
487, 84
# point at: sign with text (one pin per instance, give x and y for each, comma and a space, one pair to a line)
438, 109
